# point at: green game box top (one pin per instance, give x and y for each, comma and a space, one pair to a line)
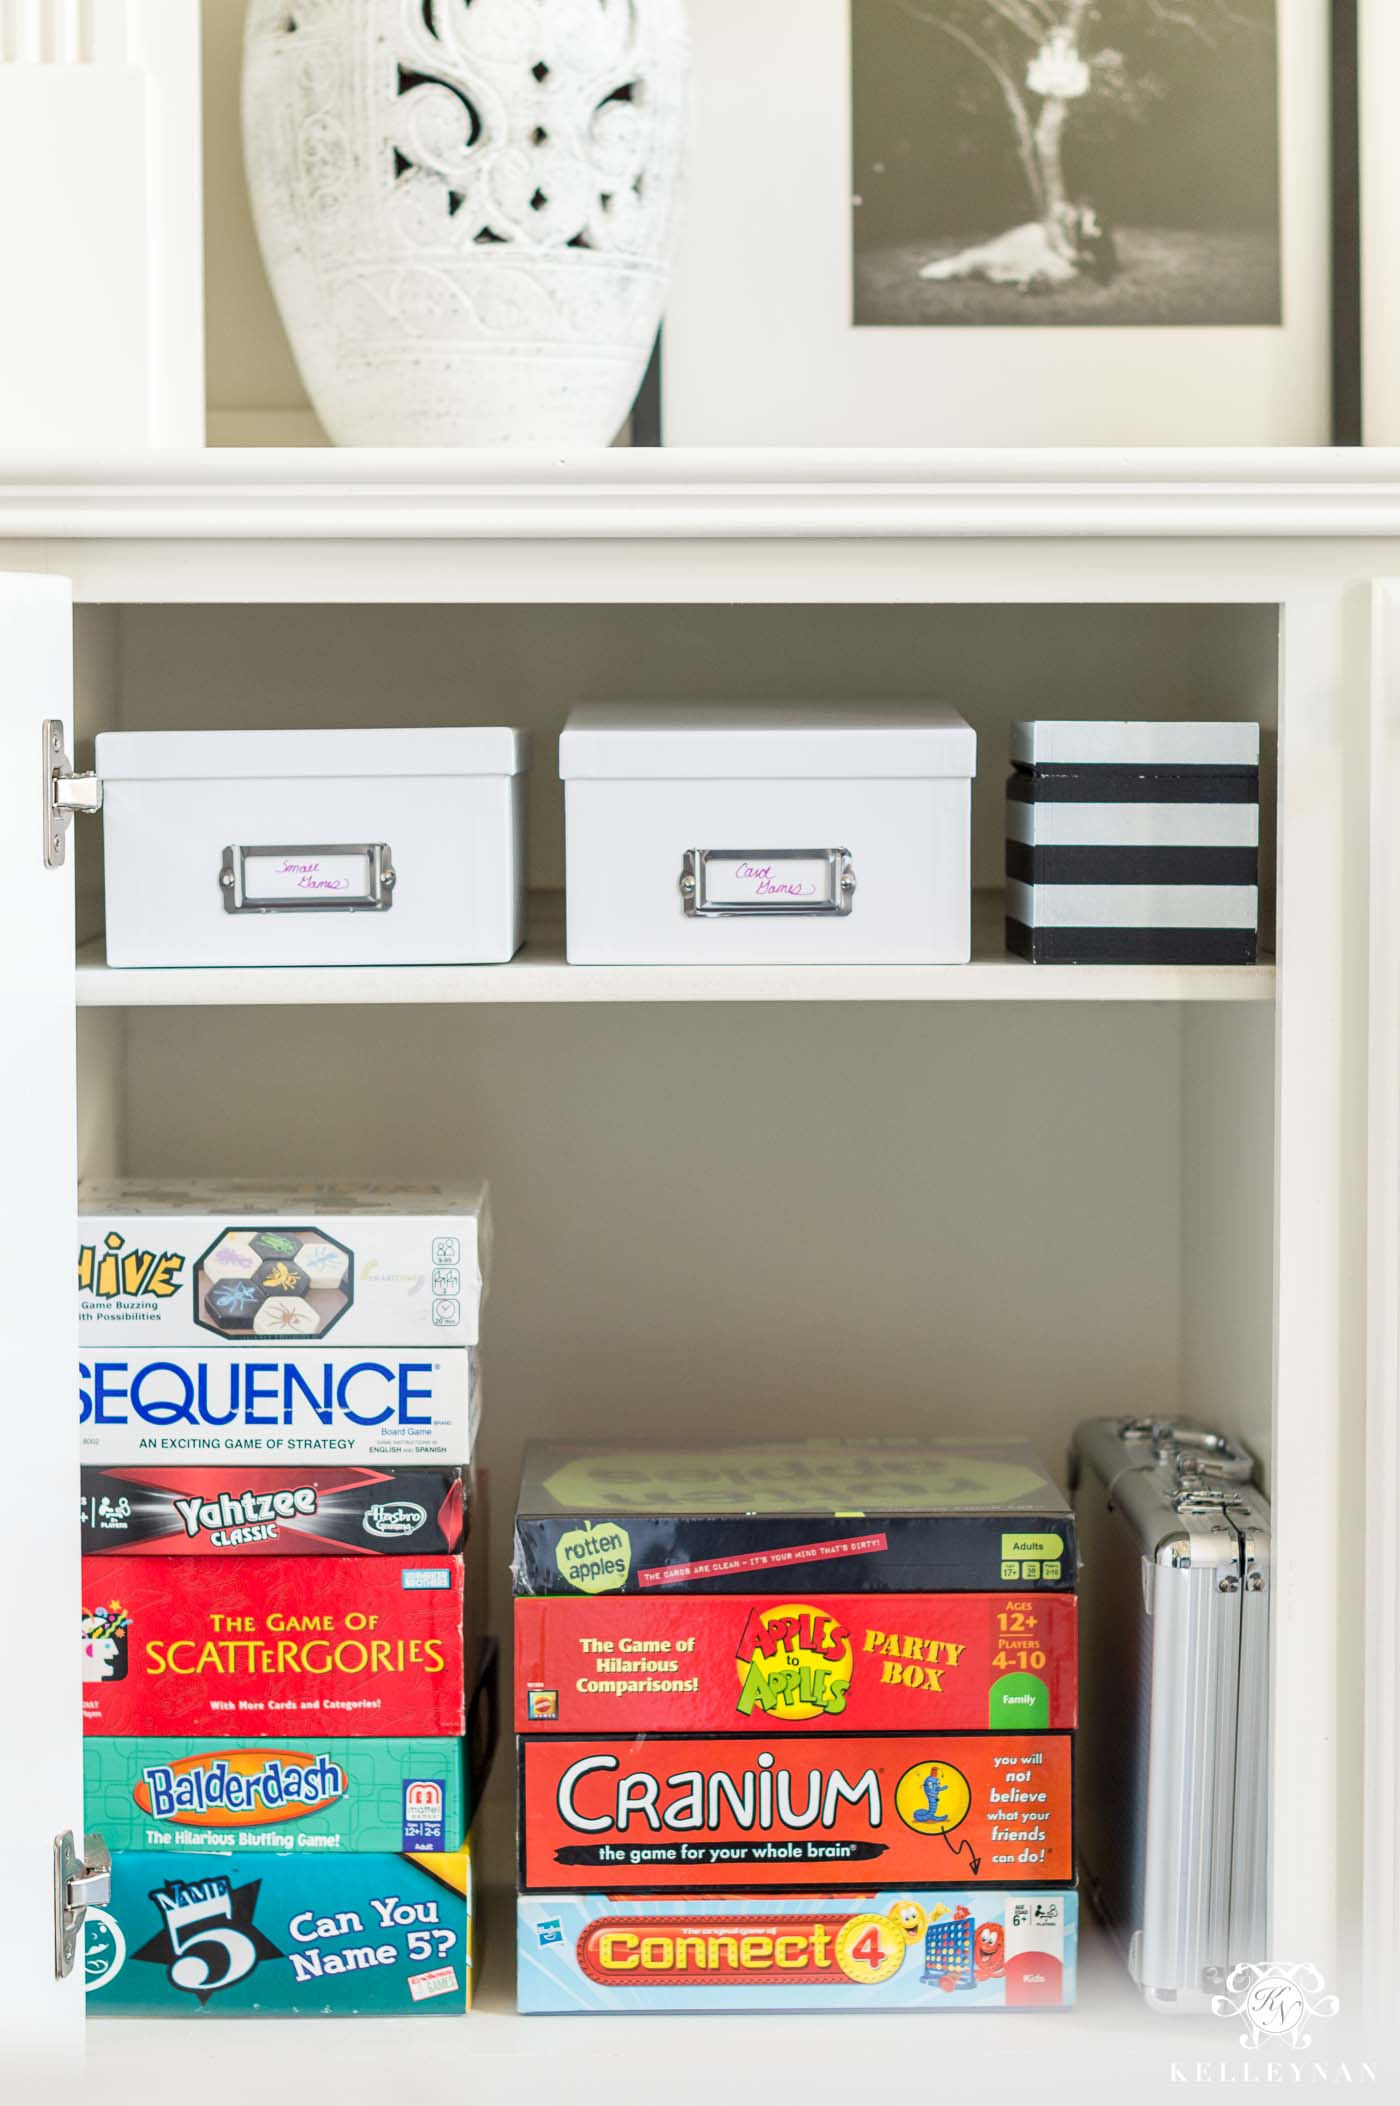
878, 1516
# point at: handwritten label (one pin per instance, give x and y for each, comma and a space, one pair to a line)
759, 881
293, 876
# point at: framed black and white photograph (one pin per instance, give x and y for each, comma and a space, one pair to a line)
1005, 223
1085, 164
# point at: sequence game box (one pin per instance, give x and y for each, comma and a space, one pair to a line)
805, 1810
242, 1404
245, 1263
892, 1950
279, 1645
153, 1792
886, 1517
725, 1663
251, 1935
318, 1510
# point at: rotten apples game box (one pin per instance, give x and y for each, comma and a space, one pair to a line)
726, 1663
319, 1510
822, 1810
883, 1951
313, 1645
882, 1517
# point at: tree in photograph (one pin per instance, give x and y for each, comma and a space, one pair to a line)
1049, 66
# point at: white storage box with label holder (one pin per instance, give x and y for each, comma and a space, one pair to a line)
768, 834
314, 847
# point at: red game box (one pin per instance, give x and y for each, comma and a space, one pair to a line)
828, 1810
272, 1645
734, 1663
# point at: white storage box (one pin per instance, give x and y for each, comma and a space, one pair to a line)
314, 847
768, 834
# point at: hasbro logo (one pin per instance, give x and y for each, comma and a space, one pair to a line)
550, 1932
424, 1579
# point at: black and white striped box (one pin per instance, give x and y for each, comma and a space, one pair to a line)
1133, 843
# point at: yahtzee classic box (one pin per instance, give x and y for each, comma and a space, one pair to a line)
255, 1936
803, 1810
894, 1950
274, 1645
239, 1404
723, 1663
886, 1517
315, 1510
238, 1263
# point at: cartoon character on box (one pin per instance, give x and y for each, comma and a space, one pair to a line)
959, 1954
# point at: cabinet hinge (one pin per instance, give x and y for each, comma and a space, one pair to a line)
64, 794
79, 1883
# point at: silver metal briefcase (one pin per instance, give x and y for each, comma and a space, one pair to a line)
1173, 1751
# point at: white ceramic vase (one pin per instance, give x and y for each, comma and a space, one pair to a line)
466, 208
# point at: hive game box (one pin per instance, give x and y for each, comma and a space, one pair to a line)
238, 1404
892, 1950
155, 1792
821, 1810
243, 1263
873, 1517
249, 1935
316, 1510
721, 1663
274, 1646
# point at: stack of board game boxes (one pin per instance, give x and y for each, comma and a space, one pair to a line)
285, 1695
795, 1728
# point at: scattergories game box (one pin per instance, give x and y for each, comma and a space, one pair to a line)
726, 1663
898, 1517
277, 1645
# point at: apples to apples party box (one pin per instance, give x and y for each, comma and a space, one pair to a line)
726, 1663
884, 1517
278, 1645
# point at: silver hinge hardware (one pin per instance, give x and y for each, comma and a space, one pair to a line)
78, 1885
64, 794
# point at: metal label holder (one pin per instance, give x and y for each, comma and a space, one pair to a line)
238, 882
696, 882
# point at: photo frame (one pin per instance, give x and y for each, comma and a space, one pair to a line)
771, 337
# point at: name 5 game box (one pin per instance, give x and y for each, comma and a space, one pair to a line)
236, 1262
319, 1510
874, 1517
825, 1810
153, 1792
727, 1663
364, 1934
250, 1405
277, 1645
892, 1950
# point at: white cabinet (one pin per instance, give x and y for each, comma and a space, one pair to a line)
732, 1199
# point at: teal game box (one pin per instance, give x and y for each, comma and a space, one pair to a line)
278, 1798
252, 1936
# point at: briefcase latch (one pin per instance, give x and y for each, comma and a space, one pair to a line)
79, 1883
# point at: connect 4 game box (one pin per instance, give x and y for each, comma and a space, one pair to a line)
891, 1950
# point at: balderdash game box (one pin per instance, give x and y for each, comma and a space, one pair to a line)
898, 1517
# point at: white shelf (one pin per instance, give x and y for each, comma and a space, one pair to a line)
540, 974
498, 2055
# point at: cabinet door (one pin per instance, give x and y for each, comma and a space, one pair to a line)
41, 1745
1380, 1944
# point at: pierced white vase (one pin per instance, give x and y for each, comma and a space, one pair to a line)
467, 208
